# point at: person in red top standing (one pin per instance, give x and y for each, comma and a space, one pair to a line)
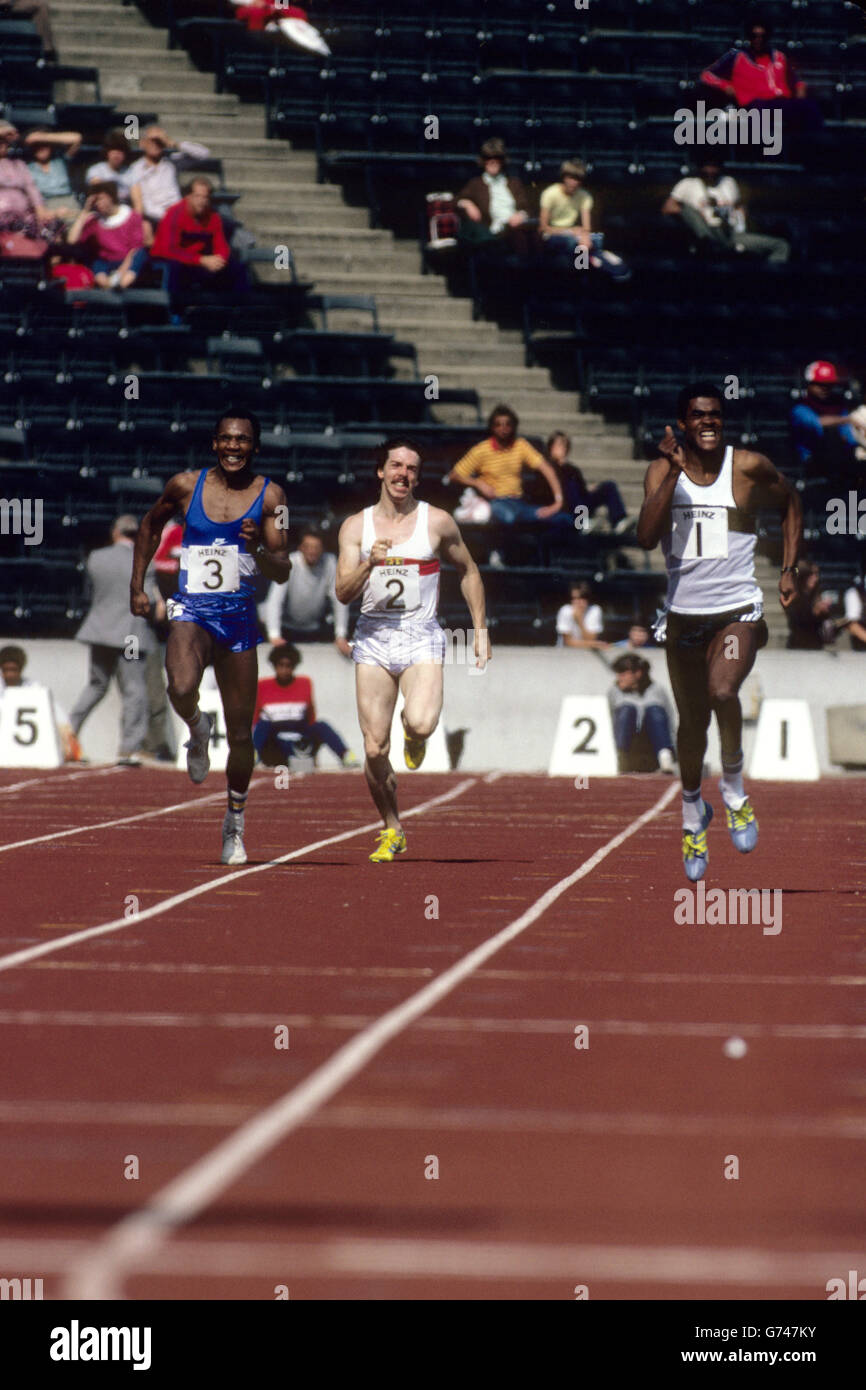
762, 77
285, 717
191, 243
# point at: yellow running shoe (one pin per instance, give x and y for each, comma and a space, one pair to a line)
413, 749
391, 843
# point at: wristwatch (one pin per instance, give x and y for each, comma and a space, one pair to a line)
790, 569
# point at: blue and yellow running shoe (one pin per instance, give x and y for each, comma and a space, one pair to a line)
743, 827
391, 843
696, 856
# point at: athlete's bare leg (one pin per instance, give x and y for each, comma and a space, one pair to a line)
688, 676
730, 658
237, 676
376, 691
421, 687
189, 649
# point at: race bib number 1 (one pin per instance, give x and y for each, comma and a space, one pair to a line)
396, 588
212, 569
700, 533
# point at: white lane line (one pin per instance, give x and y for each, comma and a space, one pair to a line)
64, 778
108, 824
456, 1259
492, 777
100, 1274
29, 953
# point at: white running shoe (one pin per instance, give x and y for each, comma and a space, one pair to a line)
197, 759
233, 839
666, 760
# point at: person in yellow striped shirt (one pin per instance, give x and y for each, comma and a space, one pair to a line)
493, 469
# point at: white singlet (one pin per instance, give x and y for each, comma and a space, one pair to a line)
710, 550
398, 626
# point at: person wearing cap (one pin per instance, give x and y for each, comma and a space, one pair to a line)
114, 166
154, 187
821, 432
118, 642
493, 204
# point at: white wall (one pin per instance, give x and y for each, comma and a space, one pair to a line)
509, 713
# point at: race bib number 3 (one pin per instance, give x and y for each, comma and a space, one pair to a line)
396, 589
213, 569
699, 533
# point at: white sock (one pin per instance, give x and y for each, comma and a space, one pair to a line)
693, 810
731, 784
196, 726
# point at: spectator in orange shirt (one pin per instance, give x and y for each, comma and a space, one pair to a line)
191, 243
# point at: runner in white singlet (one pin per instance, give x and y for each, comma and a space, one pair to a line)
389, 554
701, 500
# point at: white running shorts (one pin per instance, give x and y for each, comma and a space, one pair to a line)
396, 648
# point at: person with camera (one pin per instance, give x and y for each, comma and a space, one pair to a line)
711, 207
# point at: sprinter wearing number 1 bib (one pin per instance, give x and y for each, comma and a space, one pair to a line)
701, 501
389, 555
230, 536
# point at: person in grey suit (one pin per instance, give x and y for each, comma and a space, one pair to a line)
119, 643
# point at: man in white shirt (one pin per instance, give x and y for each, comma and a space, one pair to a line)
579, 623
855, 613
152, 179
710, 205
295, 611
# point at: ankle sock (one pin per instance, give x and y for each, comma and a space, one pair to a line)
693, 810
731, 783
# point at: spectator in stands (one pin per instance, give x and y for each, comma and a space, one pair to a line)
636, 703
639, 635
38, 14
855, 613
710, 205
821, 430
51, 151
762, 77
493, 469
191, 242
495, 206
290, 20
565, 223
12, 663
576, 491
26, 224
114, 166
153, 178
113, 236
295, 611
810, 627
118, 642
580, 623
285, 717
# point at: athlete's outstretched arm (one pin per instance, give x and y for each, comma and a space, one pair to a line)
173, 499
453, 547
659, 484
770, 491
269, 542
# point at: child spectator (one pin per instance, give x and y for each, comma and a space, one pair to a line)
113, 236
285, 716
636, 702
566, 222
12, 663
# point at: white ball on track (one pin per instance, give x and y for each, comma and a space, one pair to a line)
735, 1047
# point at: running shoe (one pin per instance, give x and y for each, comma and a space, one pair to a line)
233, 839
349, 759
413, 749
743, 827
391, 843
197, 759
696, 856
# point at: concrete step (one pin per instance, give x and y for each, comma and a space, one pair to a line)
397, 293
110, 39
118, 81
304, 213
360, 241
465, 356
123, 56
436, 328
326, 194
194, 99
219, 129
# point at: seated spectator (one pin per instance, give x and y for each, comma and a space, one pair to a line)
38, 14
762, 77
711, 207
290, 20
50, 152
12, 663
285, 717
565, 222
153, 178
576, 491
494, 206
855, 614
191, 241
493, 469
639, 635
579, 623
636, 703
810, 627
26, 224
113, 237
296, 611
114, 166
821, 430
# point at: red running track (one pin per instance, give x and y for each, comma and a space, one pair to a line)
151, 1046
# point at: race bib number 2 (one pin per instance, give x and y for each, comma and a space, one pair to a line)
213, 569
700, 533
396, 588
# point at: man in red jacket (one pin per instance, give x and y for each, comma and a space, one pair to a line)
191, 243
